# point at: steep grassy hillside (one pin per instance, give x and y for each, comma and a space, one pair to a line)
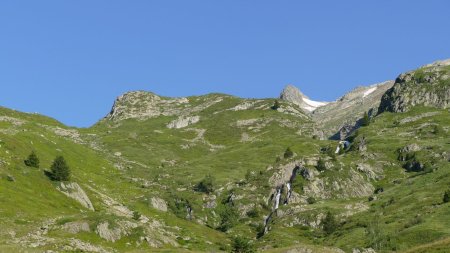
213, 173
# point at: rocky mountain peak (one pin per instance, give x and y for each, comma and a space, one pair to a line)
294, 95
427, 86
143, 105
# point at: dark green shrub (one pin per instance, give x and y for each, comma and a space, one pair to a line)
32, 160
321, 165
331, 153
329, 223
229, 217
379, 189
242, 245
288, 153
275, 105
10, 178
179, 206
365, 120
414, 165
377, 238
311, 200
446, 197
253, 213
136, 215
60, 171
206, 185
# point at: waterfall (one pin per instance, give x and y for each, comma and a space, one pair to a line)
289, 192
189, 212
277, 199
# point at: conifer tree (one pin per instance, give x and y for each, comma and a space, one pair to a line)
32, 160
329, 223
288, 153
276, 105
60, 170
366, 119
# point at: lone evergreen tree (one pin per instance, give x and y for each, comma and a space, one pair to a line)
446, 198
276, 105
60, 170
32, 160
288, 153
366, 119
329, 223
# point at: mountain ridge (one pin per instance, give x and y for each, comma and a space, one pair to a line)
192, 174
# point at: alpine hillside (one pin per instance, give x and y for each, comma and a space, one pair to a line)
369, 172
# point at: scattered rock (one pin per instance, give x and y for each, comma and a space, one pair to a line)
183, 121
76, 227
74, 191
78, 245
159, 204
111, 235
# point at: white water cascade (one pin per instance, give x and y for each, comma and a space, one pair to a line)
277, 199
289, 192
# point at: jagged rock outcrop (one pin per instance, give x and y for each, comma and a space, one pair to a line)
142, 105
427, 86
294, 95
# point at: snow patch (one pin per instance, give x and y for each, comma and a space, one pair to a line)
312, 105
369, 91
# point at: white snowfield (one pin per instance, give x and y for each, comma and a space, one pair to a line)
312, 105
367, 93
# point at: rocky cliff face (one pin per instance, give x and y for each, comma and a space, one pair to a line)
339, 118
427, 86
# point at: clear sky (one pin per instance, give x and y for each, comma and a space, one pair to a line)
70, 59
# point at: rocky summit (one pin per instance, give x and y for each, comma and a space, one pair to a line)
368, 172
294, 95
426, 86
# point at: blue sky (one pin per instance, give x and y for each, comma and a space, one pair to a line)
70, 59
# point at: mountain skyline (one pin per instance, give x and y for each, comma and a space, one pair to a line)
70, 60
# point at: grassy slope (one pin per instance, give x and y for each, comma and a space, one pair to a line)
174, 170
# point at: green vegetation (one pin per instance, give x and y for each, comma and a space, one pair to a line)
229, 217
32, 160
60, 171
321, 164
202, 186
329, 223
288, 153
446, 197
206, 185
365, 120
275, 105
242, 245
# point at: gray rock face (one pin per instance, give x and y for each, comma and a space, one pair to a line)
76, 227
427, 86
182, 122
142, 105
74, 191
294, 95
159, 204
341, 117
